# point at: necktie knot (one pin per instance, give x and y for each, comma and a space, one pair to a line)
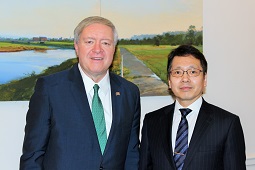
185, 111
96, 88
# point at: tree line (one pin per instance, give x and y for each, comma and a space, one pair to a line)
191, 37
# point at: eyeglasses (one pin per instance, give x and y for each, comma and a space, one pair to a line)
194, 72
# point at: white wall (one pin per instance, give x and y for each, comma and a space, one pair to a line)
12, 124
229, 34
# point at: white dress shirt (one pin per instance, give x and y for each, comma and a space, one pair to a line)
191, 118
104, 94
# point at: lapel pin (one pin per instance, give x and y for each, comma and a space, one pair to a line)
117, 93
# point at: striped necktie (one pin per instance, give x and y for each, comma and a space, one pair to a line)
99, 120
181, 143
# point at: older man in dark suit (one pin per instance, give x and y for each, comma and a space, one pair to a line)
85, 117
191, 134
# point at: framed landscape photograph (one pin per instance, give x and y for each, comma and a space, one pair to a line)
36, 39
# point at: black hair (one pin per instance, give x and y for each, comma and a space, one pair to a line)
185, 50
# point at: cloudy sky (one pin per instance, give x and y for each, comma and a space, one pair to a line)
58, 18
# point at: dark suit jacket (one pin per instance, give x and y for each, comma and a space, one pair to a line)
217, 142
60, 132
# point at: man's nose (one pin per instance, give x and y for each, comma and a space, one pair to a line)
97, 48
185, 76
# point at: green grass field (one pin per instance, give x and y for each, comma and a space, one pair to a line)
12, 47
59, 44
154, 57
22, 46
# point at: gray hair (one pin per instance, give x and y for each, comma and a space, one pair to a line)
92, 20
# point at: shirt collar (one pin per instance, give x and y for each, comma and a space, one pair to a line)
104, 84
195, 106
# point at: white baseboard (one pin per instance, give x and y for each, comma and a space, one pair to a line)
250, 162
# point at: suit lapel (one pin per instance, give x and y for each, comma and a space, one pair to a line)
116, 107
166, 122
80, 97
203, 122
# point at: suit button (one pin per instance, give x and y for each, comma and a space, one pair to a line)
101, 168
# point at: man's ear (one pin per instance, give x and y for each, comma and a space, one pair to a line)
205, 80
169, 84
76, 48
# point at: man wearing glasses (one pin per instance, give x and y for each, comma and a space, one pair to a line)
191, 134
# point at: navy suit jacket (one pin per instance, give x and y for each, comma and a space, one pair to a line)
60, 132
217, 142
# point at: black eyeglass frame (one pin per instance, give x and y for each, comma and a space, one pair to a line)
189, 72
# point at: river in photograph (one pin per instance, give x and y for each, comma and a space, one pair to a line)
16, 65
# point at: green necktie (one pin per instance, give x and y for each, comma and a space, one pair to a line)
98, 117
